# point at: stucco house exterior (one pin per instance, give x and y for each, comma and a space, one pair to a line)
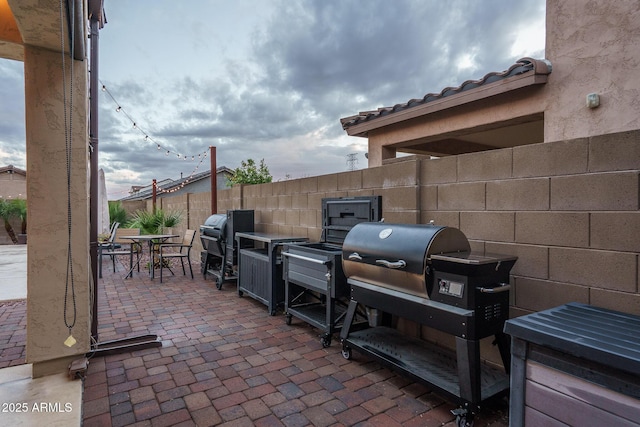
13, 182
587, 85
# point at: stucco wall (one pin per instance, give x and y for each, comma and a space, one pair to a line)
593, 47
48, 285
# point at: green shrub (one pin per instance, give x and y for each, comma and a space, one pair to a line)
154, 222
117, 212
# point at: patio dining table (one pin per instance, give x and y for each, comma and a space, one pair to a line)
151, 239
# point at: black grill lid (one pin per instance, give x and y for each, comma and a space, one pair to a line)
395, 256
340, 214
412, 244
214, 226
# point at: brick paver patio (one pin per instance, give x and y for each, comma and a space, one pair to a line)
225, 361
13, 332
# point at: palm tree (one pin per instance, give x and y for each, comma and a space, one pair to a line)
8, 210
20, 211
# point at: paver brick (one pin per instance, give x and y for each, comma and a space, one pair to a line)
225, 362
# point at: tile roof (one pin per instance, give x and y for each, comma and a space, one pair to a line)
167, 185
13, 169
522, 66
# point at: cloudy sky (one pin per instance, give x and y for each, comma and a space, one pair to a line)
270, 79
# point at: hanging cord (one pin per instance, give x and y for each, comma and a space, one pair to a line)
68, 135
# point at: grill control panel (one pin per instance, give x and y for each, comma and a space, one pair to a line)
451, 288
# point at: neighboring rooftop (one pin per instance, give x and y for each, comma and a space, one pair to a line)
12, 169
168, 185
525, 72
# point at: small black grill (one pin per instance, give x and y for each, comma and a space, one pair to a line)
316, 289
427, 273
217, 234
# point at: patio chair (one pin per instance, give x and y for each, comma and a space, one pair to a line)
180, 251
110, 243
121, 246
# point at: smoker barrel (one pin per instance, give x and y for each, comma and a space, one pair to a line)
214, 226
428, 274
396, 256
217, 235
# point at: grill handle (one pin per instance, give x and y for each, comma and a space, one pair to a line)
503, 287
389, 264
304, 258
355, 257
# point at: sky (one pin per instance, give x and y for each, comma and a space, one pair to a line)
270, 79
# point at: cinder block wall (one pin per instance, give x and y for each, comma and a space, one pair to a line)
570, 211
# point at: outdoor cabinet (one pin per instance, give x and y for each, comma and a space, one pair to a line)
575, 365
260, 267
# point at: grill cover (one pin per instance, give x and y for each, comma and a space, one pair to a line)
396, 256
215, 226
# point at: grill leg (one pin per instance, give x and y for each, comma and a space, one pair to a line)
348, 320
468, 354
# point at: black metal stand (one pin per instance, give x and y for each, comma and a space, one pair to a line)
458, 375
126, 344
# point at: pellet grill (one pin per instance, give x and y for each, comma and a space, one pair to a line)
217, 235
316, 289
428, 274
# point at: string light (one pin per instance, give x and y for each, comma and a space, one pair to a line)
159, 189
119, 109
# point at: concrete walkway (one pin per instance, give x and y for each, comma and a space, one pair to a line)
13, 272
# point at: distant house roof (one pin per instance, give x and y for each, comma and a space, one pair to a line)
13, 169
524, 72
169, 185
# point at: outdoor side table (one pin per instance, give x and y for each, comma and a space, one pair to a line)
260, 268
575, 365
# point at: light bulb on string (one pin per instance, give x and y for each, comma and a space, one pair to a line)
146, 136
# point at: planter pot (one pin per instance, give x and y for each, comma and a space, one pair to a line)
22, 239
